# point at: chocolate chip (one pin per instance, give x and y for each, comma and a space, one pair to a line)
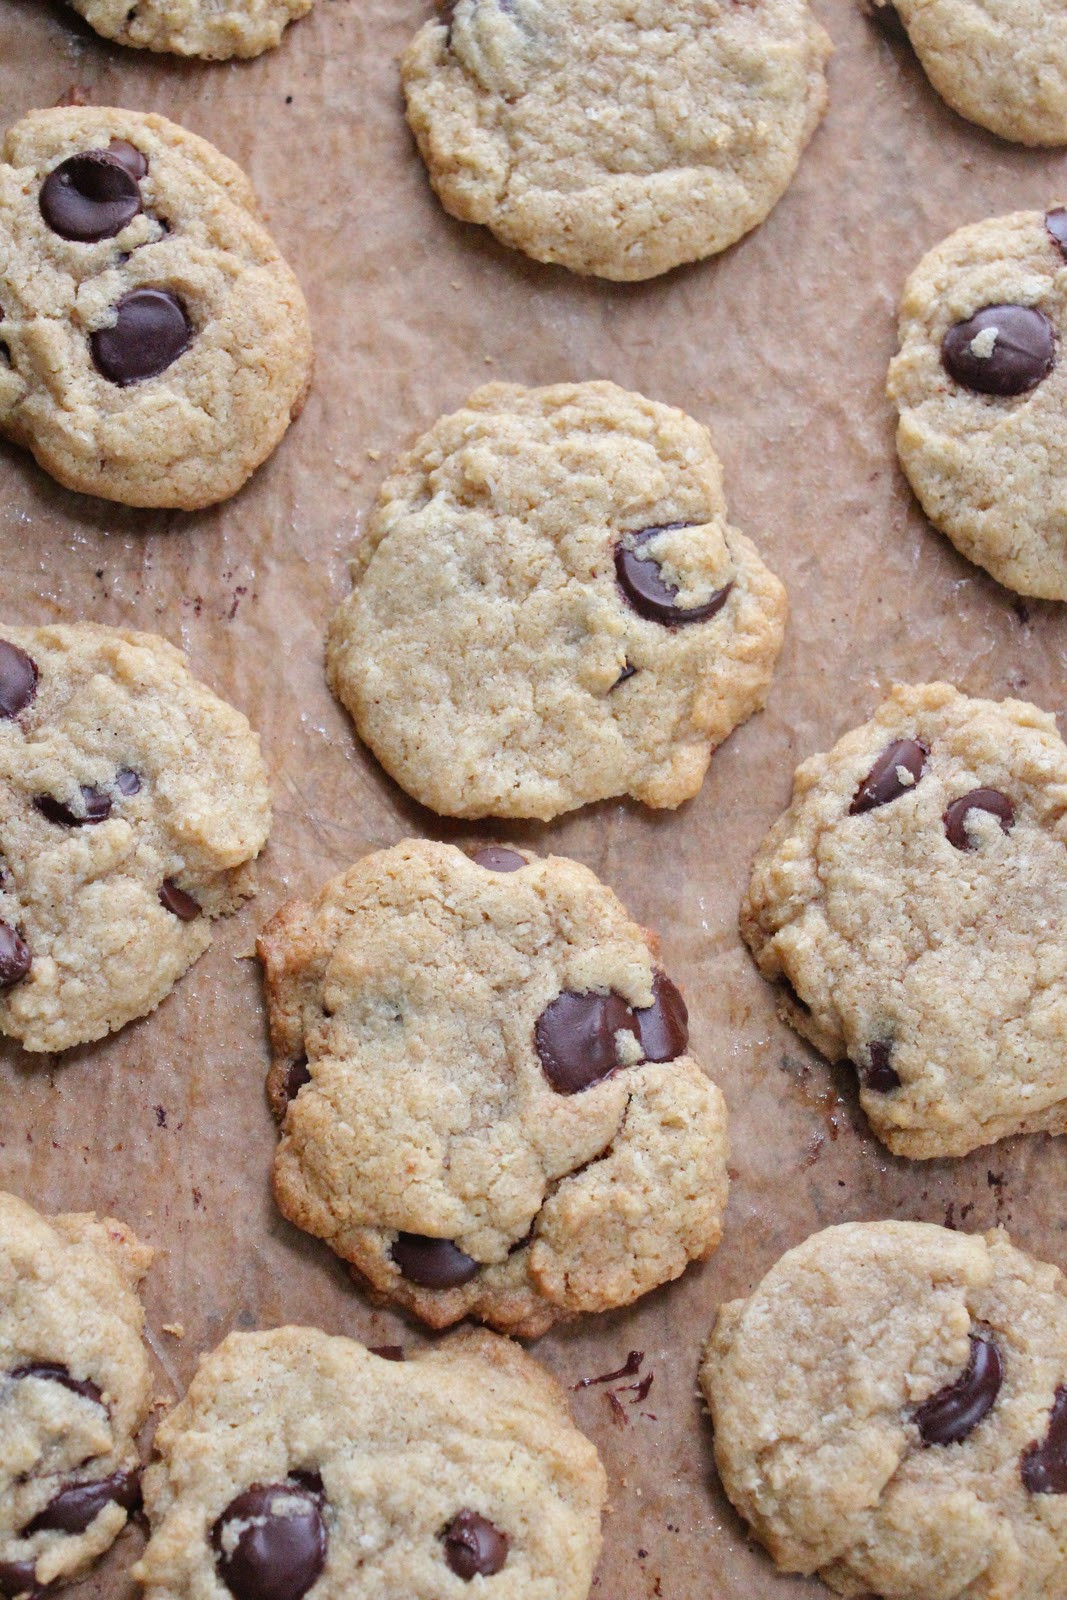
128, 156
879, 1074
388, 1352
955, 1411
474, 1547
1016, 352
90, 197
55, 1372
18, 1580
176, 900
296, 1077
433, 1263
18, 679
270, 1542
641, 581
575, 1038
663, 1027
495, 858
151, 331
883, 783
16, 958
75, 1507
1056, 223
626, 673
95, 803
1043, 1464
955, 819
127, 781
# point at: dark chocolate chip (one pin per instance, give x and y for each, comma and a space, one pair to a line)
991, 800
270, 1542
882, 783
18, 679
879, 1074
128, 156
474, 1546
575, 1038
663, 1027
16, 958
55, 1372
151, 331
433, 1263
74, 1508
1056, 223
495, 858
18, 1580
641, 581
176, 900
127, 781
90, 197
388, 1352
296, 1077
96, 807
1021, 355
624, 676
1043, 1464
955, 1411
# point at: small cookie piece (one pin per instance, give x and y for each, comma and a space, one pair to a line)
487, 1102
74, 1392
194, 27
912, 902
890, 1409
616, 138
154, 346
981, 387
1000, 63
131, 801
299, 1464
551, 608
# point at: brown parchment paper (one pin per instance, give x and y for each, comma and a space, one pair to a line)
781, 347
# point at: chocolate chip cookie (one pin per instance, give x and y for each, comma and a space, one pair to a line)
74, 1391
487, 1102
1000, 63
131, 801
299, 1464
194, 27
890, 1409
616, 139
550, 607
154, 346
912, 903
981, 387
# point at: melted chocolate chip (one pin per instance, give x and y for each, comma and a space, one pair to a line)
75, 1507
575, 1038
55, 1372
19, 1578
1016, 349
18, 679
433, 1263
955, 1411
663, 1027
1043, 1464
127, 781
128, 156
879, 1074
177, 901
641, 581
90, 197
96, 808
495, 858
882, 783
1056, 223
474, 1546
296, 1077
270, 1542
991, 800
151, 331
16, 959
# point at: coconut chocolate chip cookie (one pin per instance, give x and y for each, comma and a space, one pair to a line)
890, 1409
912, 903
74, 1391
487, 1102
550, 607
131, 801
154, 346
616, 138
981, 388
203, 28
299, 1464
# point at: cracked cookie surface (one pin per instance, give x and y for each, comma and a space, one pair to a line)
551, 608
890, 1410
980, 384
131, 801
913, 903
154, 346
303, 1464
616, 137
74, 1391
194, 27
487, 1103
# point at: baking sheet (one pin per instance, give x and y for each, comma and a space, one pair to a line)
781, 347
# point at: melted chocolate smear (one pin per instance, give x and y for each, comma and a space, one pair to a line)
474, 1546
575, 1038
151, 331
128, 156
663, 1027
90, 197
73, 1509
18, 1578
991, 800
955, 1411
880, 1075
1043, 1464
55, 1372
630, 1370
433, 1263
1021, 355
641, 581
496, 858
296, 1078
18, 679
176, 900
16, 958
96, 808
278, 1553
882, 784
